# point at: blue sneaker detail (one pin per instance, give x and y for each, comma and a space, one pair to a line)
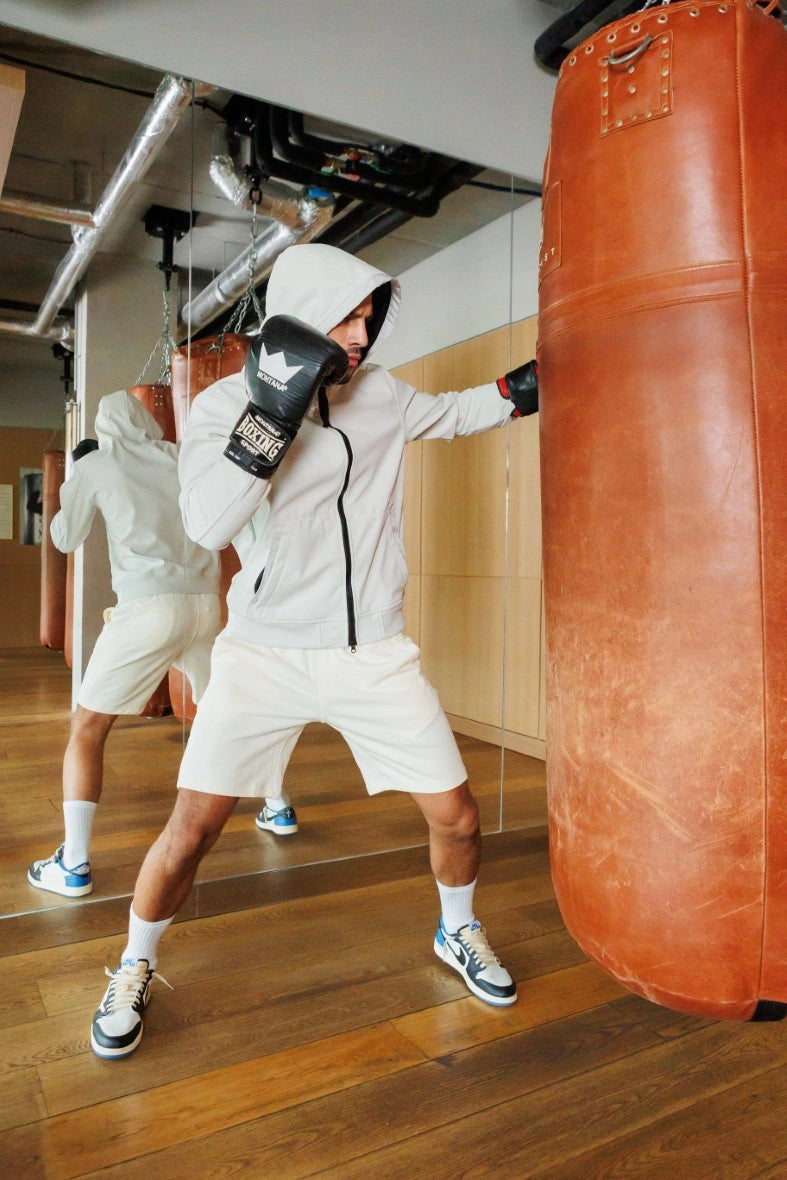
282, 823
469, 953
53, 876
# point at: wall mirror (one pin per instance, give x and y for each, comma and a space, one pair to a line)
471, 518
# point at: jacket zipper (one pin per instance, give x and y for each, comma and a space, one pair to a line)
352, 639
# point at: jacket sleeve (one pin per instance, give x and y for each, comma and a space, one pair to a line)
447, 415
71, 525
217, 498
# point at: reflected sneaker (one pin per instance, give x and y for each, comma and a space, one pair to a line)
53, 876
117, 1025
470, 954
281, 823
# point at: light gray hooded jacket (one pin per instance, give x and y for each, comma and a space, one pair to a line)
320, 543
132, 481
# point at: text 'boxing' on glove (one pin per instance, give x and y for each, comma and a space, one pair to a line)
286, 364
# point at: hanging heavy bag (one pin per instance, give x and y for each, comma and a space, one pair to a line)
663, 288
53, 562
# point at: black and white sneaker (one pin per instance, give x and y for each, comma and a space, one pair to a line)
283, 822
469, 953
117, 1025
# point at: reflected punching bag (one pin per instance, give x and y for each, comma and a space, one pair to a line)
157, 400
194, 368
663, 290
53, 562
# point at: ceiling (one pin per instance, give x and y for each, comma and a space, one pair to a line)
81, 110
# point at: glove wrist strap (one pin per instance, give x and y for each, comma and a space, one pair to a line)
257, 443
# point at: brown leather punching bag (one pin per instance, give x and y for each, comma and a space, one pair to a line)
194, 368
53, 562
157, 399
663, 290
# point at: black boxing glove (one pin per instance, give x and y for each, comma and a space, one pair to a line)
520, 387
84, 448
287, 363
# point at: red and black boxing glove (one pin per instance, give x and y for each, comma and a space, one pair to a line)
287, 363
520, 387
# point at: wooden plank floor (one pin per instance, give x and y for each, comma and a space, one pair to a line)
142, 757
318, 1035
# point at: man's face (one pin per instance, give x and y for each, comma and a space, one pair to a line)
351, 334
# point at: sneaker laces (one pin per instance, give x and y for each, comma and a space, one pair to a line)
474, 936
127, 982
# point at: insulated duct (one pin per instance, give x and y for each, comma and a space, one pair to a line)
173, 96
298, 219
21, 205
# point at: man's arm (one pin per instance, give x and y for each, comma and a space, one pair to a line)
217, 498
470, 411
71, 525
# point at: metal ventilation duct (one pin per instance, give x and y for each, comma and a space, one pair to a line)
172, 97
298, 219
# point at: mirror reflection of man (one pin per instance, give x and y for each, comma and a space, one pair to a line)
315, 629
167, 612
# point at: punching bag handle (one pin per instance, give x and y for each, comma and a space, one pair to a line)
619, 59
552, 46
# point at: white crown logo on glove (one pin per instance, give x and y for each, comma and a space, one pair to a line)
276, 367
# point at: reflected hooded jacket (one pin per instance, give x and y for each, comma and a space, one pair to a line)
320, 543
132, 481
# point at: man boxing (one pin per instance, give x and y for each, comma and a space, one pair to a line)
167, 611
303, 455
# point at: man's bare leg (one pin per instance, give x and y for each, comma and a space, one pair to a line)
455, 855
169, 869
83, 761
454, 835
67, 872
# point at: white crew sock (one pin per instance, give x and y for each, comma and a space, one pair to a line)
143, 939
78, 816
277, 802
457, 903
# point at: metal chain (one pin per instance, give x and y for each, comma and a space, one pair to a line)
165, 344
249, 298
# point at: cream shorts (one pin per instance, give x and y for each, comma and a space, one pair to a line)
140, 640
260, 698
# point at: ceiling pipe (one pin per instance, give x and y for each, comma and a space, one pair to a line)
314, 211
62, 333
173, 96
21, 205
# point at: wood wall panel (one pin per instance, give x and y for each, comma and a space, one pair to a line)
20, 565
412, 608
523, 655
462, 644
479, 590
463, 512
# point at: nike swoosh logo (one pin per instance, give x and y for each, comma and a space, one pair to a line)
458, 954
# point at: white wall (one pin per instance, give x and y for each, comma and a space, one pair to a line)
455, 75
482, 282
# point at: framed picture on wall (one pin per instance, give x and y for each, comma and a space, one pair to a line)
30, 505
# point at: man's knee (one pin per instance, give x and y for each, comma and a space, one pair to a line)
452, 814
86, 725
196, 823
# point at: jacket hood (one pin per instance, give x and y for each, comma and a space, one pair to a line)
320, 285
121, 416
